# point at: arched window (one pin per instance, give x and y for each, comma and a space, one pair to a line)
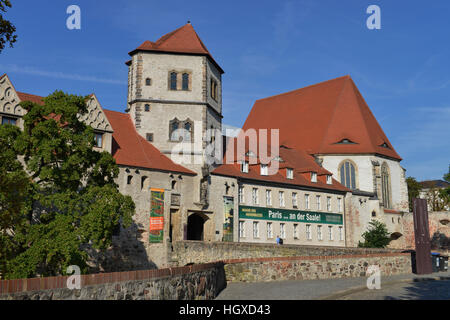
173, 81
185, 82
187, 134
174, 134
386, 186
347, 172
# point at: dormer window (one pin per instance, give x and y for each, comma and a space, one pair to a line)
384, 145
244, 167
289, 173
313, 176
264, 170
345, 141
329, 180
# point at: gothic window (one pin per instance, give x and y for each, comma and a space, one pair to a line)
185, 81
187, 134
174, 134
173, 81
386, 185
347, 172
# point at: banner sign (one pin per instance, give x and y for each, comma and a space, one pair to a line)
228, 204
260, 213
156, 215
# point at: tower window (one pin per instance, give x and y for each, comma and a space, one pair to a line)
185, 82
174, 134
147, 108
187, 134
148, 82
150, 137
173, 81
214, 89
386, 186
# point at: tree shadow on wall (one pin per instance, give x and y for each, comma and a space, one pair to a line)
425, 289
127, 252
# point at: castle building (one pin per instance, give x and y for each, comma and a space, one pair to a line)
336, 168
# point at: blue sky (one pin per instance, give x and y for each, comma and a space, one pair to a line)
265, 48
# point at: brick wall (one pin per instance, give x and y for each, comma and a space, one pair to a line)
315, 267
191, 282
185, 252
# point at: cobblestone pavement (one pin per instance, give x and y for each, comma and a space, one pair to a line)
345, 288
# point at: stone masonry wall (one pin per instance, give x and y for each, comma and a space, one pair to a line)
318, 267
185, 283
185, 252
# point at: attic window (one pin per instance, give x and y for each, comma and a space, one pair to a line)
385, 145
313, 176
244, 167
345, 141
329, 181
289, 173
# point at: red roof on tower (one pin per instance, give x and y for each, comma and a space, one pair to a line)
330, 117
181, 40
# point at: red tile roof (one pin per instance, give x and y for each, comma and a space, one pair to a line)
318, 117
30, 97
181, 40
131, 149
301, 163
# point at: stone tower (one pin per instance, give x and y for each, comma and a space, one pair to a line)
175, 95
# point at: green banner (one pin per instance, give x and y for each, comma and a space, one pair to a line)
156, 216
260, 213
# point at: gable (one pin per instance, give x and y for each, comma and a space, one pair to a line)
9, 99
95, 117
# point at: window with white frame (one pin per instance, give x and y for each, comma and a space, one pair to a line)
319, 233
313, 176
255, 198
281, 198
282, 230
294, 200
264, 170
295, 231
308, 232
241, 194
241, 229
330, 233
269, 230
329, 180
255, 229
328, 203
307, 201
268, 197
289, 173
318, 203
244, 166
341, 234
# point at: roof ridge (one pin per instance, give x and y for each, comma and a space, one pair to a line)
307, 87
167, 36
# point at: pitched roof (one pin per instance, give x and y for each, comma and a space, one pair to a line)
434, 184
30, 97
131, 149
181, 40
330, 117
301, 163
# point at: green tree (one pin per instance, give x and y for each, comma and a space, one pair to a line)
7, 29
76, 204
414, 189
377, 236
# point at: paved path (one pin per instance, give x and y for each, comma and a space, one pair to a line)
392, 287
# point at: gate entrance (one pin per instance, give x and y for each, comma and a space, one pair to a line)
195, 227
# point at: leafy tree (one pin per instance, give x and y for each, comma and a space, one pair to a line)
377, 236
7, 29
414, 189
76, 204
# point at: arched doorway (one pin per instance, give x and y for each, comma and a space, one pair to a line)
195, 227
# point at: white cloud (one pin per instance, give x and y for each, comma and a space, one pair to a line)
12, 68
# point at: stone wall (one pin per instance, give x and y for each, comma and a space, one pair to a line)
439, 226
185, 252
184, 283
318, 267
